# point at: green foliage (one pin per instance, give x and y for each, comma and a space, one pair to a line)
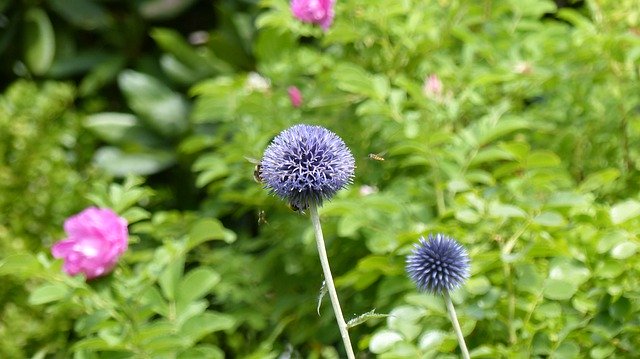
528, 156
43, 163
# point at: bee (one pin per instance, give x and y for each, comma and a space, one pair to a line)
376, 156
297, 209
257, 170
262, 217
257, 173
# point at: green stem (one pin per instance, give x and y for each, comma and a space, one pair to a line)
328, 278
456, 325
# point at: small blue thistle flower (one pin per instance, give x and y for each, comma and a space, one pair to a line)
438, 265
306, 164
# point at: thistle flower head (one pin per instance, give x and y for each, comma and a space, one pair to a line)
438, 265
306, 164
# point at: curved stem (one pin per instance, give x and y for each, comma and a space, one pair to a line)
456, 325
328, 278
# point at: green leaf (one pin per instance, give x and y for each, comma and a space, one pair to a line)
95, 344
489, 133
599, 179
556, 289
202, 63
568, 270
383, 340
202, 351
163, 9
430, 340
85, 14
478, 285
22, 264
121, 164
406, 320
550, 219
196, 284
101, 75
212, 167
624, 211
620, 309
354, 79
624, 250
208, 322
490, 154
111, 127
501, 210
364, 317
170, 278
48, 293
162, 109
467, 215
207, 229
542, 159
568, 349
532, 8
602, 351
39, 41
155, 329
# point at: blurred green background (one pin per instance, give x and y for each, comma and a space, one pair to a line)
529, 156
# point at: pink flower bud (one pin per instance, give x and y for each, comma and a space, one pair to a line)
432, 87
319, 12
295, 96
96, 239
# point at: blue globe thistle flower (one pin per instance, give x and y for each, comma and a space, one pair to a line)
438, 265
306, 164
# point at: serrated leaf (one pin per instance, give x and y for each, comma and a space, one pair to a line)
364, 317
323, 292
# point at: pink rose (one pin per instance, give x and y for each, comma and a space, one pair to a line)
295, 96
96, 239
314, 11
